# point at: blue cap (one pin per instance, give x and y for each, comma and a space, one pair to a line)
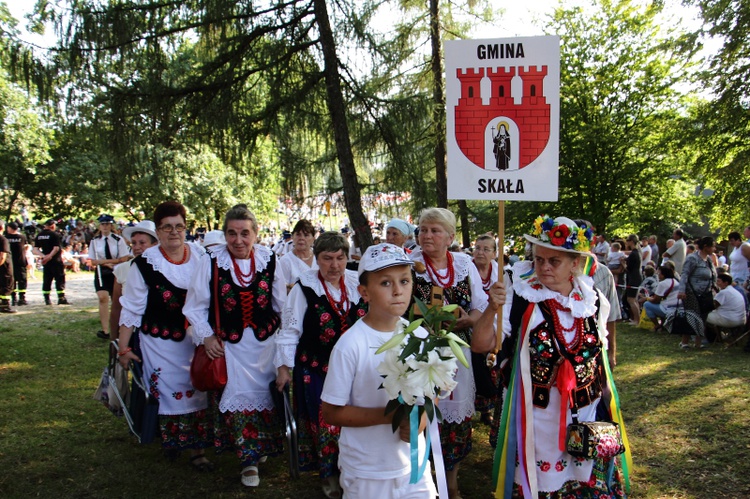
106, 219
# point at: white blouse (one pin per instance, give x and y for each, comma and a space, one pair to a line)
135, 295
296, 306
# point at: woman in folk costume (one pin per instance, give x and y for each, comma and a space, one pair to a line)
234, 305
152, 302
319, 309
554, 350
460, 284
301, 258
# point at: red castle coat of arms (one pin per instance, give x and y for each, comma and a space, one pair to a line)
484, 130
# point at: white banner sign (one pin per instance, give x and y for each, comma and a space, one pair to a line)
503, 118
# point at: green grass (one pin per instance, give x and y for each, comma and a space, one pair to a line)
686, 414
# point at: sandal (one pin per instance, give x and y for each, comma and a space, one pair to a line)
202, 466
331, 487
252, 480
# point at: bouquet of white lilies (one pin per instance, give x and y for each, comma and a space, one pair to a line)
420, 363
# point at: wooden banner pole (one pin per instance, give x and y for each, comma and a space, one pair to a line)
500, 275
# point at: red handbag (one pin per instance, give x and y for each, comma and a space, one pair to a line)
209, 374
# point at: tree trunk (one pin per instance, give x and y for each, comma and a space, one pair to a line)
438, 118
337, 111
463, 215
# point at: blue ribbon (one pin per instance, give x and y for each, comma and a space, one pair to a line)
416, 470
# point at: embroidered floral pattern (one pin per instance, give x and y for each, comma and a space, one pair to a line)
171, 301
185, 431
243, 307
327, 326
153, 383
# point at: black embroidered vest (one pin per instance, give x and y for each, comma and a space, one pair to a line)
322, 328
460, 295
546, 356
244, 307
163, 316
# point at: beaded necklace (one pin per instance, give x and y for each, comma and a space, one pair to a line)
184, 255
242, 278
486, 282
435, 277
576, 344
340, 306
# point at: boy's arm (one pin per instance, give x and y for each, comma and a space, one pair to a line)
358, 417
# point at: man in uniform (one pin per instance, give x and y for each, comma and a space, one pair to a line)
105, 251
18, 249
48, 242
6, 273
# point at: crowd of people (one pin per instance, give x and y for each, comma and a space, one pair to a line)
692, 279
307, 310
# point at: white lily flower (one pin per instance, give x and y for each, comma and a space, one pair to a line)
394, 371
432, 373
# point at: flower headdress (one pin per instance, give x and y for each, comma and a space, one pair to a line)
561, 233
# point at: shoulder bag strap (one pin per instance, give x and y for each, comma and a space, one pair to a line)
216, 294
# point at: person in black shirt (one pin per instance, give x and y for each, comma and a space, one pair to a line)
48, 242
17, 242
6, 274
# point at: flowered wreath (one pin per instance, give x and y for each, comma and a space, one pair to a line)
547, 230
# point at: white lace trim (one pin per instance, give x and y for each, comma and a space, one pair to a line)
201, 332
241, 402
461, 265
224, 257
176, 274
459, 414
129, 319
284, 355
310, 279
583, 287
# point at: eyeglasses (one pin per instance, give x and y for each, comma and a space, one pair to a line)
170, 228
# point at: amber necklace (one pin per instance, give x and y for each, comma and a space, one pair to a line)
574, 346
242, 278
340, 306
446, 281
184, 255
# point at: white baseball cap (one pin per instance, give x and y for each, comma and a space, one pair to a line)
381, 256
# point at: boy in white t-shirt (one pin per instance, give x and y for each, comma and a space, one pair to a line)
374, 461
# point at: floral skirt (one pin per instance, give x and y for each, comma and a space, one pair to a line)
595, 488
186, 431
318, 442
455, 439
251, 434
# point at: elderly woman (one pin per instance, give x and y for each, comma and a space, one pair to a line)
459, 283
234, 305
485, 260
554, 341
397, 232
152, 302
301, 257
319, 309
696, 288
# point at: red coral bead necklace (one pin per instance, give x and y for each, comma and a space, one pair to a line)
443, 282
340, 306
173, 262
574, 346
244, 279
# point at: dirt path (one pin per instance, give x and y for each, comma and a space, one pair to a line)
79, 290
